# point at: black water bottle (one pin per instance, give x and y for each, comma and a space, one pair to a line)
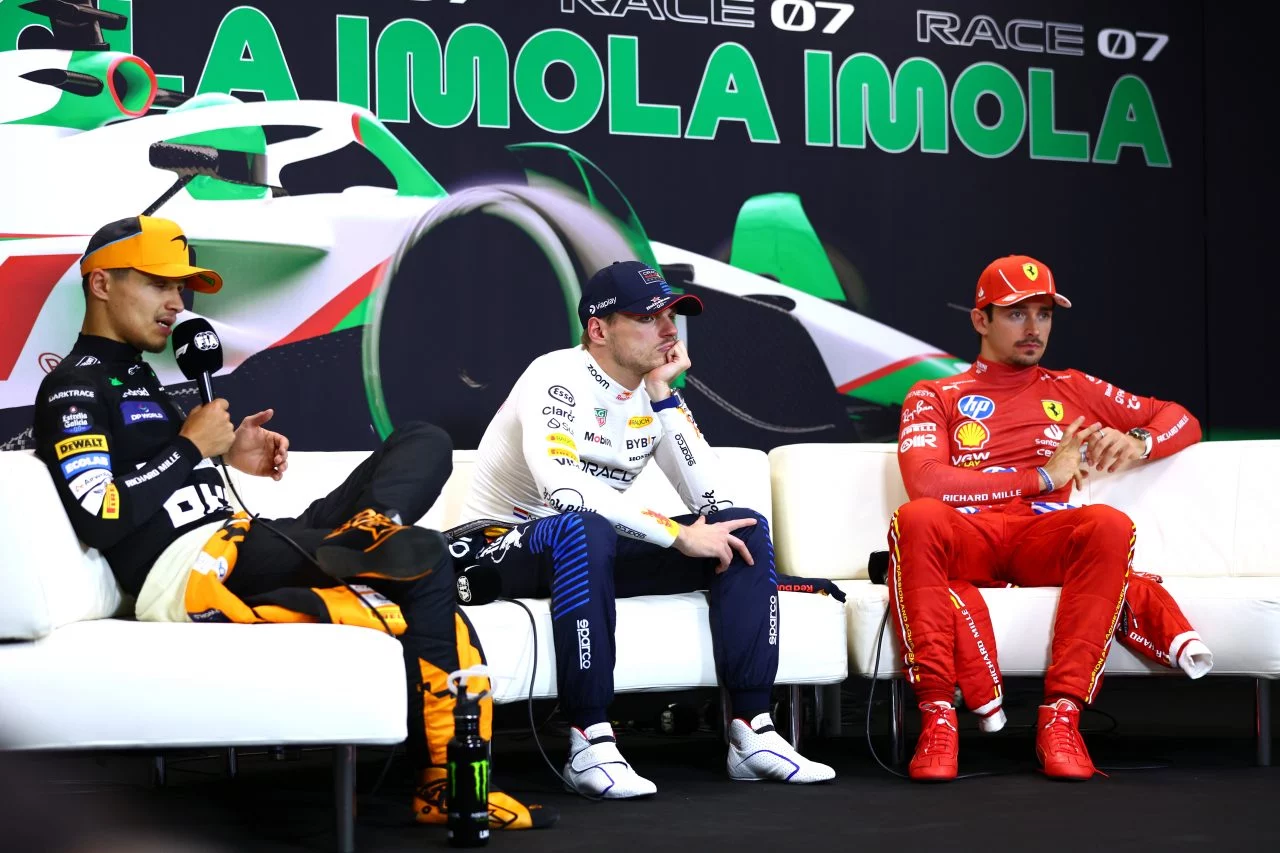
467, 796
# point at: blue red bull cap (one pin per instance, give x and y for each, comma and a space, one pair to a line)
632, 287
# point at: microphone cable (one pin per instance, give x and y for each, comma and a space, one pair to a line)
258, 519
533, 726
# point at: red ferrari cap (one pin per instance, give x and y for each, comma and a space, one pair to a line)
1014, 278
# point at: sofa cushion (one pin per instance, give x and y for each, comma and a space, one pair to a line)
1238, 619
1210, 510
1207, 511
663, 643
49, 579
833, 506
114, 682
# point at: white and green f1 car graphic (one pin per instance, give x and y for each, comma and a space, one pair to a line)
89, 137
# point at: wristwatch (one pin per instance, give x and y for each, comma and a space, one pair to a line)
1145, 436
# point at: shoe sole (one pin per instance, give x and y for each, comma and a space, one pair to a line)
733, 778
781, 781
402, 557
1063, 777
606, 796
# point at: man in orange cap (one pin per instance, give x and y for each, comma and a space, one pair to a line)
988, 459
137, 478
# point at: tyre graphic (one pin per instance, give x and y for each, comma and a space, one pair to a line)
450, 332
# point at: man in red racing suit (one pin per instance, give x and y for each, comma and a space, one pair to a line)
988, 459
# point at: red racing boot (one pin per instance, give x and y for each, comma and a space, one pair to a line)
937, 757
1059, 745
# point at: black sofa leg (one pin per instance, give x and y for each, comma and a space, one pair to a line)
795, 720
1263, 709
344, 796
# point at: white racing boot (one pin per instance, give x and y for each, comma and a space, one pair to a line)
757, 752
597, 769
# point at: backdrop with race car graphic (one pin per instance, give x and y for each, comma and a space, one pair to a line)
409, 193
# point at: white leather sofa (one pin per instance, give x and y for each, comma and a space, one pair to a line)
77, 673
1206, 521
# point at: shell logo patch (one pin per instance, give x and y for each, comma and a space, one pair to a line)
972, 435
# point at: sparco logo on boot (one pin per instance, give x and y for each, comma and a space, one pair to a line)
584, 644
773, 620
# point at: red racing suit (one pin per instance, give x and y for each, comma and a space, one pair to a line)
979, 516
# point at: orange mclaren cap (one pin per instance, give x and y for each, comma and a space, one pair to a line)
149, 244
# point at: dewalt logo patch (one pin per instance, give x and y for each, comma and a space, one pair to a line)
81, 444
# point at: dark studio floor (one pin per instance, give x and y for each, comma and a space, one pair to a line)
1180, 757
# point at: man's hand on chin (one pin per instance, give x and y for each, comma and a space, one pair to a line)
657, 382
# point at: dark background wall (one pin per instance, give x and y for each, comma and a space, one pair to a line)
1168, 267
1241, 191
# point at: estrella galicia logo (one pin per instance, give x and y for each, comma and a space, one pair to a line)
561, 394
977, 407
137, 411
76, 421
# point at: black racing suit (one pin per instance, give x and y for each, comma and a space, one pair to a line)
132, 486
129, 482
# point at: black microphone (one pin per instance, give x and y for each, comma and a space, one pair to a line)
199, 355
478, 585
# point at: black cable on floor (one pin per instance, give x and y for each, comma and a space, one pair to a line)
871, 695
875, 674
533, 727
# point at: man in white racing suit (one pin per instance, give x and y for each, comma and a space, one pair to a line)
554, 467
